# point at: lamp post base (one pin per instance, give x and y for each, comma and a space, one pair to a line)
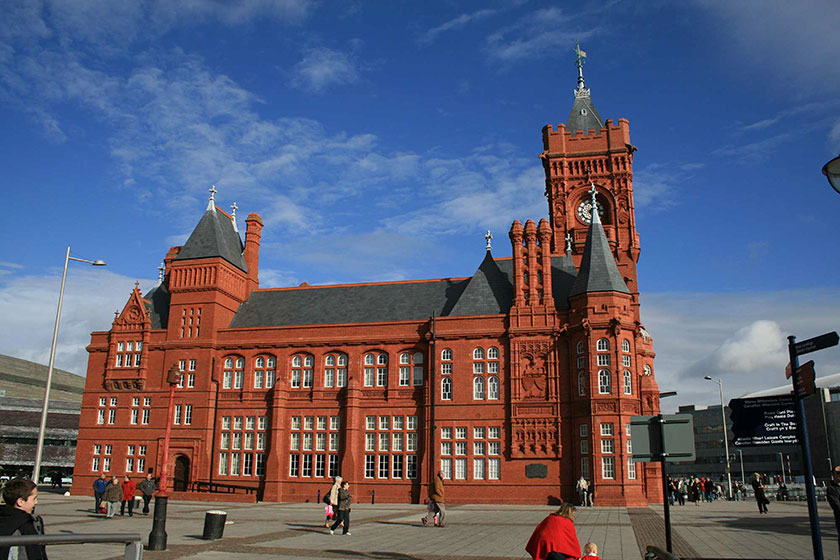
157, 538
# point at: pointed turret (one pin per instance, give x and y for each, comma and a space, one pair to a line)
488, 292
598, 271
583, 116
214, 236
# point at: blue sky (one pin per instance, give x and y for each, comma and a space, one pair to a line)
379, 141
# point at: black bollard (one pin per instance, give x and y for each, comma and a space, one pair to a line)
214, 525
157, 538
373, 497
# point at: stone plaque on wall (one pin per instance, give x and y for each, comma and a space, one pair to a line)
536, 470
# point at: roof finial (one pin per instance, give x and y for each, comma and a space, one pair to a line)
596, 218
581, 90
137, 284
489, 238
211, 205
568, 244
233, 208
161, 270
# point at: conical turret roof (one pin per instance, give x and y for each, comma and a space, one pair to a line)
598, 271
488, 292
214, 236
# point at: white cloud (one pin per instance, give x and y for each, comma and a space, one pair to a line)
321, 68
458, 22
28, 307
737, 337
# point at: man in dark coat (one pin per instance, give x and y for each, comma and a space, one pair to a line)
147, 487
758, 490
832, 494
436, 496
17, 517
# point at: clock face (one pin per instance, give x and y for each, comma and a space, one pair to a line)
584, 210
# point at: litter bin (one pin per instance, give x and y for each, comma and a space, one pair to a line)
214, 525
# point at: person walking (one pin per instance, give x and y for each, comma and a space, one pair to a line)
832, 494
128, 496
99, 486
582, 486
343, 509
333, 500
147, 487
555, 537
437, 498
17, 517
113, 496
758, 490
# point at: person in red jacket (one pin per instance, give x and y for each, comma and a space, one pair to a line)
128, 496
555, 537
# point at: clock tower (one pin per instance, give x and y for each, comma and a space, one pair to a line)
589, 151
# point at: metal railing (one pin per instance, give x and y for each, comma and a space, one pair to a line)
133, 545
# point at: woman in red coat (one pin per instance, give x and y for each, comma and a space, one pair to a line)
555, 537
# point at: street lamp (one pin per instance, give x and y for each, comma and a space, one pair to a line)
741, 456
782, 463
725, 434
832, 171
157, 537
42, 430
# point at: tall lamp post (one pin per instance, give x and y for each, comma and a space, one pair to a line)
157, 538
741, 456
832, 171
42, 430
725, 433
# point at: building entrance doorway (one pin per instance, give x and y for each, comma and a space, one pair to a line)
181, 474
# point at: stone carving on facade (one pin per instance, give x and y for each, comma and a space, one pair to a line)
535, 437
534, 378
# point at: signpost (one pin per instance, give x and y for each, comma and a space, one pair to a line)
667, 438
796, 349
763, 421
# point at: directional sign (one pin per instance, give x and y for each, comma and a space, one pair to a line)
678, 438
826, 340
763, 421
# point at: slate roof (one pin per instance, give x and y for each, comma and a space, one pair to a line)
214, 236
583, 116
488, 292
158, 306
25, 379
360, 303
598, 271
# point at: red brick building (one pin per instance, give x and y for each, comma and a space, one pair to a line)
514, 381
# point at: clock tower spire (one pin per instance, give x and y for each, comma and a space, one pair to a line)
584, 153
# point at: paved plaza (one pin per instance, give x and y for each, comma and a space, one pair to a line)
393, 531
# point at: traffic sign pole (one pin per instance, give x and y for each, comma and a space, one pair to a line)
802, 428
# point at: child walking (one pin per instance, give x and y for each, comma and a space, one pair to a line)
343, 509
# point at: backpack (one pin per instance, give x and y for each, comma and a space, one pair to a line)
327, 497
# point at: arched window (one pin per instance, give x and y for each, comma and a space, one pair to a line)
446, 389
603, 345
625, 345
405, 369
493, 353
308, 364
446, 355
341, 370
478, 388
628, 383
446, 362
418, 369
329, 370
270, 371
604, 382
581, 347
478, 354
493, 387
376, 375
259, 373
232, 372
581, 383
